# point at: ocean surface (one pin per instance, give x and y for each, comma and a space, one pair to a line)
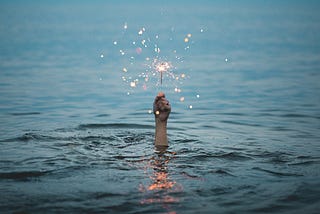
76, 132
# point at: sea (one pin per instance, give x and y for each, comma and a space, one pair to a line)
77, 84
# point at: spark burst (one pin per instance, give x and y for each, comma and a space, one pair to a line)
143, 61
161, 67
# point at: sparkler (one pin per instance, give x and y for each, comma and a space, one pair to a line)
162, 66
157, 67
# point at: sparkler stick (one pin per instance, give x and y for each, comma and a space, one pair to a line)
161, 67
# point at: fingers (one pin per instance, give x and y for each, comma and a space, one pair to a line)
161, 94
161, 103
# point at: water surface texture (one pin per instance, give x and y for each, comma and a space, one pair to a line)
75, 138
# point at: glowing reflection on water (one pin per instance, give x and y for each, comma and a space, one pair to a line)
162, 185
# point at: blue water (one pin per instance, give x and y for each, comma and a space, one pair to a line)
75, 138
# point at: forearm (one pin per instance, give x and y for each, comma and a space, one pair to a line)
161, 133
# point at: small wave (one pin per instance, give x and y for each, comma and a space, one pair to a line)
103, 115
101, 195
276, 173
21, 175
233, 156
232, 114
292, 115
240, 123
305, 160
114, 126
188, 176
222, 172
24, 113
26, 137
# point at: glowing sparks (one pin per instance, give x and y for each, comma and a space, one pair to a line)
133, 84
157, 112
161, 66
101, 55
141, 31
161, 62
178, 90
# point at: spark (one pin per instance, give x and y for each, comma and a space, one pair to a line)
178, 90
186, 40
133, 84
190, 107
162, 66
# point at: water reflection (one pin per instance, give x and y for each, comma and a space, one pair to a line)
162, 186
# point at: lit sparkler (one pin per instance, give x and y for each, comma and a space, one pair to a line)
161, 66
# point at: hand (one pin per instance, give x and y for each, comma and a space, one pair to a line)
161, 107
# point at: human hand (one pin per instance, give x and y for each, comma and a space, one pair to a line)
161, 107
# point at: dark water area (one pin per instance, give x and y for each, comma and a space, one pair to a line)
74, 138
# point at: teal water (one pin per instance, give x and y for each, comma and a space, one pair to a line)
75, 137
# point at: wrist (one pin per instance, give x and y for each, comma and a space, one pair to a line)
161, 132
